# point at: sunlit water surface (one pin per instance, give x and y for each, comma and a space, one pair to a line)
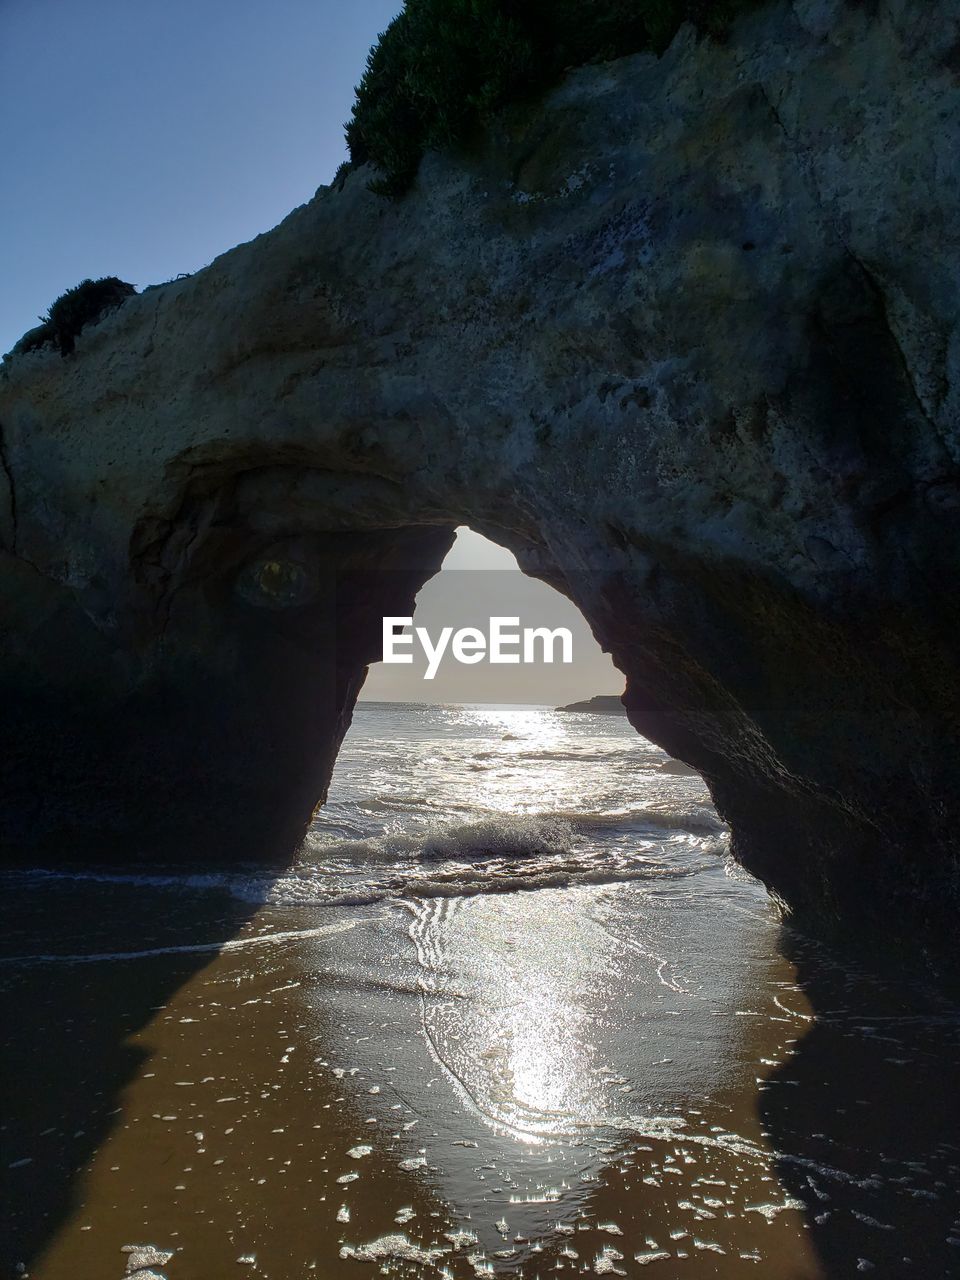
512, 1012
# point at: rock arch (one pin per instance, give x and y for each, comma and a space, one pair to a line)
673, 336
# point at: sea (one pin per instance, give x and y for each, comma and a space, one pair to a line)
513, 1011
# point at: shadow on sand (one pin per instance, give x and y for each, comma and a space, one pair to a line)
65, 1052
866, 1114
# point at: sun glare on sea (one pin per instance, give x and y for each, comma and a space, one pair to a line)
528, 769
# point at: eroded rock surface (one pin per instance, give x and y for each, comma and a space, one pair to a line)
683, 337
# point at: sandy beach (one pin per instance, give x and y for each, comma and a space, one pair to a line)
596, 1053
274, 1109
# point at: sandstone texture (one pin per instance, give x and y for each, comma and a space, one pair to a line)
683, 336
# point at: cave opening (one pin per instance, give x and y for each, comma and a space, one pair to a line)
543, 950
499, 774
477, 581
478, 759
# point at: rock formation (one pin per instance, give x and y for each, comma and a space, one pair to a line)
683, 337
601, 704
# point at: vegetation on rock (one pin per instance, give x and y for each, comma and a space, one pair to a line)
84, 304
443, 65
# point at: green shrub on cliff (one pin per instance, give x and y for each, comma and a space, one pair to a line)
442, 65
84, 304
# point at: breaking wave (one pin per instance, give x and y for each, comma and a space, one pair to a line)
421, 823
491, 854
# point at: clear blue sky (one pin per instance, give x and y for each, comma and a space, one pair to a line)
143, 137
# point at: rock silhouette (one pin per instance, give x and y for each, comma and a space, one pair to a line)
683, 336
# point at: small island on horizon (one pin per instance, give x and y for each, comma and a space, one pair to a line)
602, 704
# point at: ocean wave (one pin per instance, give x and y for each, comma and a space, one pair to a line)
388, 804
697, 819
460, 881
492, 852
328, 885
518, 835
585, 755
492, 833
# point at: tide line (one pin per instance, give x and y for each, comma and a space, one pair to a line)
229, 944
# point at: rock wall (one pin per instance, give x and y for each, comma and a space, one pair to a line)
683, 337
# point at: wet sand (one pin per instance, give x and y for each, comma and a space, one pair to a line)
514, 1084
